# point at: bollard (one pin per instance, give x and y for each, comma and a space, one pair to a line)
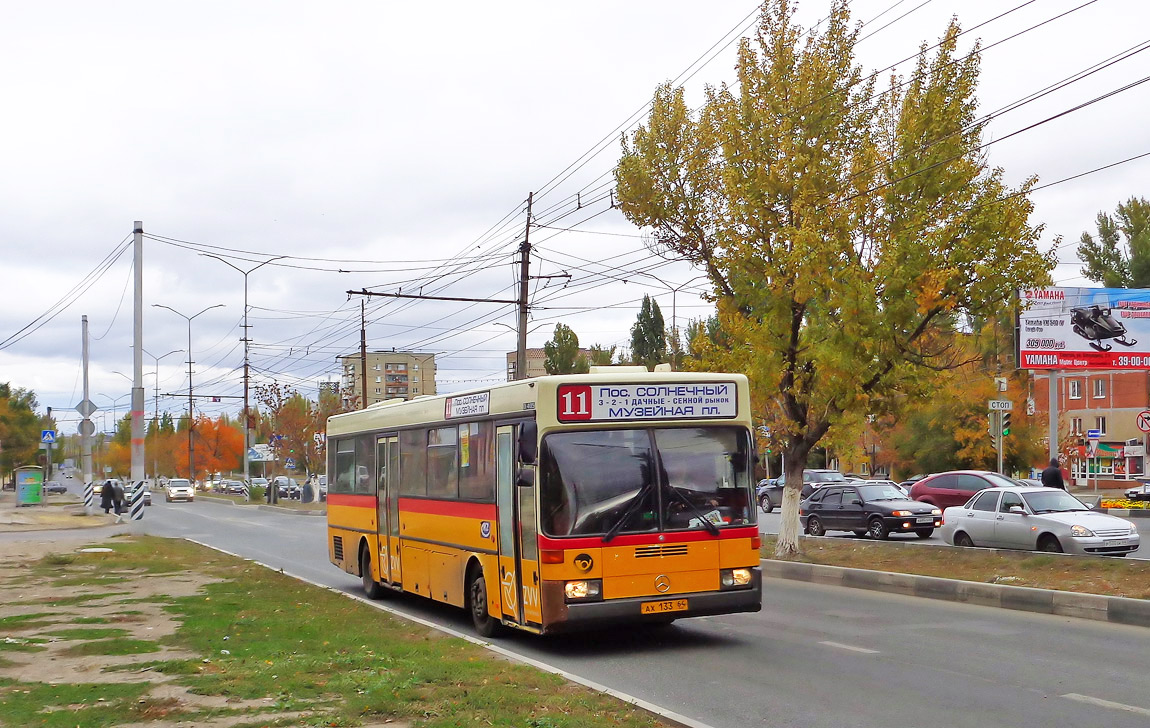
137, 507
244, 492
89, 498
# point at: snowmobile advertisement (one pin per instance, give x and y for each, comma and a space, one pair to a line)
1085, 328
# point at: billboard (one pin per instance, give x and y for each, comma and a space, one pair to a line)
1084, 328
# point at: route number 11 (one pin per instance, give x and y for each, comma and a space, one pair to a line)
574, 403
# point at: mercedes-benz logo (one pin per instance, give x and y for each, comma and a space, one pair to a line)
662, 583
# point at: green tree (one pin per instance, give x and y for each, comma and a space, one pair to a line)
601, 356
19, 427
648, 335
1120, 256
562, 355
846, 234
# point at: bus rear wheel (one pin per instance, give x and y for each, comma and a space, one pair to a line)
485, 624
372, 588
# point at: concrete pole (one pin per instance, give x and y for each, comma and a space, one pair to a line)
86, 425
1053, 414
138, 455
524, 278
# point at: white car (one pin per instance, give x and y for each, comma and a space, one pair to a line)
1142, 492
1042, 519
180, 489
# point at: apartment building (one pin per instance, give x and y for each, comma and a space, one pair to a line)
390, 375
1108, 401
536, 363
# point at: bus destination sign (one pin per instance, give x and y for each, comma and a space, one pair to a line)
647, 401
467, 405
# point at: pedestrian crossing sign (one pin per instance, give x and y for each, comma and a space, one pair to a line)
48, 437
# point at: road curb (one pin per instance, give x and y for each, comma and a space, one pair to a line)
1120, 610
264, 507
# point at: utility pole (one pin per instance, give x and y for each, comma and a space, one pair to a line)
363, 353
86, 409
524, 274
138, 455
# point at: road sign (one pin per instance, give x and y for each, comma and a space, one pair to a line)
1144, 420
87, 408
290, 463
48, 437
1094, 434
1000, 405
87, 427
1091, 448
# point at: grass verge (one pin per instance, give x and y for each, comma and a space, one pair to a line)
254, 645
1088, 574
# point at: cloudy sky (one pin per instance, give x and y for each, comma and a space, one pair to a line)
392, 146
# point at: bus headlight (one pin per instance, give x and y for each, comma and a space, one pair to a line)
586, 590
734, 578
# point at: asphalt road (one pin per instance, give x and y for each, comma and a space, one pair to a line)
769, 524
815, 656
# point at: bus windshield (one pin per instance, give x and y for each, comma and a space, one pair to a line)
594, 482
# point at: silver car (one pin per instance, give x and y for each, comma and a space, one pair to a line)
1043, 519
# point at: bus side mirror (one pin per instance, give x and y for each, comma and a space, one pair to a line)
525, 477
528, 442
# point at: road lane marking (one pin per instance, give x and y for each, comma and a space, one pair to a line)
1107, 703
852, 648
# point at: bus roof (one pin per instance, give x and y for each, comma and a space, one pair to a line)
539, 396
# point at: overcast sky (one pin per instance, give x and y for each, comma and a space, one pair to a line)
392, 146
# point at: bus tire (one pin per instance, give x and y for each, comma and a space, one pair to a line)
485, 624
371, 588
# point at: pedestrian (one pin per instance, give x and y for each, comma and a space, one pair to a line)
107, 496
1052, 476
118, 500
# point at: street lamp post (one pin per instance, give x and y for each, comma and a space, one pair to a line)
155, 403
191, 409
247, 340
104, 428
674, 291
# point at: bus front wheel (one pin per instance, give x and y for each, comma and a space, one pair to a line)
372, 588
485, 625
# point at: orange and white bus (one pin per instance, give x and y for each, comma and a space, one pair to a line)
556, 503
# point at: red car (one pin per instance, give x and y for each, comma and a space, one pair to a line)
956, 487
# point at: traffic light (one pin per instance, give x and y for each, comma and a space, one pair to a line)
992, 421
1005, 424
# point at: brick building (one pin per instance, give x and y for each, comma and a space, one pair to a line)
1108, 401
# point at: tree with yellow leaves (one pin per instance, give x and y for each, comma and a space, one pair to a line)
847, 234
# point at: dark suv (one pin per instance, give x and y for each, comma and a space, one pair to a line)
956, 487
770, 492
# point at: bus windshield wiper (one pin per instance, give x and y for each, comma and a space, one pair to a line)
628, 512
706, 522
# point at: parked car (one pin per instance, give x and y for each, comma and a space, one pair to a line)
1042, 519
1142, 492
55, 486
322, 483
769, 493
180, 489
286, 487
956, 487
879, 510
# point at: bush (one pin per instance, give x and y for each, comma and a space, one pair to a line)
256, 493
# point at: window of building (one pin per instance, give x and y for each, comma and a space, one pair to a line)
1075, 425
1099, 388
376, 367
1100, 425
1075, 389
378, 390
378, 380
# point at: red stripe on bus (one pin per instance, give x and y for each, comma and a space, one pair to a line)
348, 499
461, 509
644, 539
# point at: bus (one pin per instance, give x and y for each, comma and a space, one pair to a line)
554, 504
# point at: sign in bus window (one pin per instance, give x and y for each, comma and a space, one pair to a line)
647, 401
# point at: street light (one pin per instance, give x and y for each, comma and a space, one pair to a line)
247, 340
674, 290
115, 402
191, 411
156, 404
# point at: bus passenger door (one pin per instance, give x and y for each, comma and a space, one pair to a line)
387, 459
529, 555
509, 578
